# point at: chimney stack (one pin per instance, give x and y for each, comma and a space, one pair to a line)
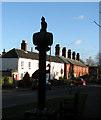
64, 51
57, 49
78, 57
31, 49
3, 51
24, 45
69, 53
74, 55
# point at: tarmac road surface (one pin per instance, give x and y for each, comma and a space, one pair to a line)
16, 97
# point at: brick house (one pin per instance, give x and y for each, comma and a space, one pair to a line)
72, 64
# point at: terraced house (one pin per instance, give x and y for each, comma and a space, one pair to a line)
72, 63
20, 61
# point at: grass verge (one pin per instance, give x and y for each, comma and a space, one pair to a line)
17, 112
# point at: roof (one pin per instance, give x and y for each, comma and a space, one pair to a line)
72, 61
10, 54
18, 53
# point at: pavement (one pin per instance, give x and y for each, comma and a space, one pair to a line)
92, 109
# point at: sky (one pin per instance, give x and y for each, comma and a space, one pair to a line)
72, 25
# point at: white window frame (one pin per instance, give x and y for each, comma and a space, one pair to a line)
29, 65
22, 64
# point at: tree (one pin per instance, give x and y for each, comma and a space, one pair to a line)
90, 61
35, 75
26, 79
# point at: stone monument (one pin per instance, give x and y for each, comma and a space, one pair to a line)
42, 40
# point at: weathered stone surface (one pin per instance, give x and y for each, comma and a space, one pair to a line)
43, 39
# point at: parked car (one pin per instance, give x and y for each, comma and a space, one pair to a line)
48, 83
79, 81
35, 84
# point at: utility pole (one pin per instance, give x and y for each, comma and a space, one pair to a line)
97, 73
99, 38
50, 65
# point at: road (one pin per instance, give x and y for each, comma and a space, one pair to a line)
12, 98
16, 97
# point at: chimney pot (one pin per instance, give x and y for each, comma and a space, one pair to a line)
64, 51
57, 49
24, 45
31, 49
74, 55
78, 57
3, 51
69, 53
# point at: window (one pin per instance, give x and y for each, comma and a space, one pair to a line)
38, 65
71, 68
61, 71
29, 65
22, 64
85, 70
67, 67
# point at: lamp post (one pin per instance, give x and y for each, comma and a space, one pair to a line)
42, 40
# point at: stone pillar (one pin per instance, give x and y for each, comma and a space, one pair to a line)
42, 79
42, 40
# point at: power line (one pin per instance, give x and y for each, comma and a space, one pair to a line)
97, 24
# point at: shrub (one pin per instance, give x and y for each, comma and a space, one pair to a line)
26, 79
10, 80
32, 80
7, 82
61, 78
20, 83
53, 82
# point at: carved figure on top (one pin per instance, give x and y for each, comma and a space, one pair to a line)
43, 25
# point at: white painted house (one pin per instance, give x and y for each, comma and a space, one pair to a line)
20, 61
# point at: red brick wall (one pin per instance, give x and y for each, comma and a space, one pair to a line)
69, 70
78, 70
